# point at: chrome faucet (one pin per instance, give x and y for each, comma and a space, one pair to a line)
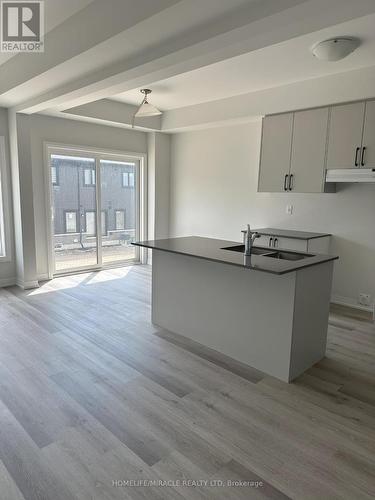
249, 238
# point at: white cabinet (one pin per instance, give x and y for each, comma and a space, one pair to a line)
351, 136
307, 172
291, 244
264, 241
297, 148
281, 242
368, 142
275, 152
345, 135
293, 152
319, 245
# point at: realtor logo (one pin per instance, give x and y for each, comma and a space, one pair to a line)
22, 26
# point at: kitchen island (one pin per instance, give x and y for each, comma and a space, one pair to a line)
268, 310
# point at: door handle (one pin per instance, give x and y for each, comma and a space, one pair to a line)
290, 187
363, 156
275, 242
270, 244
356, 156
286, 182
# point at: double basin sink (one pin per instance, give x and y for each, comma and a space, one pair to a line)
278, 254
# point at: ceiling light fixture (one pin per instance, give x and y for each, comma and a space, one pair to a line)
145, 109
335, 49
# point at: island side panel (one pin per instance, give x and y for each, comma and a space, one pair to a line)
313, 293
319, 245
242, 313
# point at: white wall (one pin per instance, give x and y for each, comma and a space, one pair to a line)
23, 200
7, 269
158, 186
71, 132
162, 186
213, 193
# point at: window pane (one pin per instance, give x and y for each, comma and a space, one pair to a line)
120, 219
88, 176
74, 211
54, 175
74, 247
2, 228
104, 223
90, 224
71, 222
121, 208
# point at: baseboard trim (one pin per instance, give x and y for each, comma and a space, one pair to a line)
346, 306
7, 282
27, 285
349, 302
44, 277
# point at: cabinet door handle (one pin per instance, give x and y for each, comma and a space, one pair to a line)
270, 244
275, 242
290, 187
363, 156
356, 156
286, 182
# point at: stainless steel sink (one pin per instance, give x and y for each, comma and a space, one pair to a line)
254, 250
287, 255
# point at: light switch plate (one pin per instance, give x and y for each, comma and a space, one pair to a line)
289, 209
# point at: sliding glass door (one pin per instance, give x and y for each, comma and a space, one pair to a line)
74, 200
119, 194
91, 191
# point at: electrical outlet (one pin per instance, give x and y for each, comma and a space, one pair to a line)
289, 209
364, 299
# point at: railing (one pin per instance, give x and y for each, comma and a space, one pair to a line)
114, 237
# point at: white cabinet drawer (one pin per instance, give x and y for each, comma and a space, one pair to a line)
291, 244
313, 245
278, 242
263, 241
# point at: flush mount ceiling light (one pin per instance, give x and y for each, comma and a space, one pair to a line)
335, 49
146, 109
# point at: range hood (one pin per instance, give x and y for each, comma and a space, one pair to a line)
351, 175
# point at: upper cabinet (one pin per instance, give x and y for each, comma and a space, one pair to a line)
345, 135
309, 144
293, 152
297, 148
275, 152
368, 142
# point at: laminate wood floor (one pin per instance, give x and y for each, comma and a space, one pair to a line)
96, 403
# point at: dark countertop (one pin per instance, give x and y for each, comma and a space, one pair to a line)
212, 249
289, 233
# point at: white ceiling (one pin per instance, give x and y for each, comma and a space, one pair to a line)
272, 66
207, 61
140, 38
55, 11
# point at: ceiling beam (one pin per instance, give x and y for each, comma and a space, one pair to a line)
91, 26
257, 25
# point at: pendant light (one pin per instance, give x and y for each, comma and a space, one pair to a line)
146, 109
